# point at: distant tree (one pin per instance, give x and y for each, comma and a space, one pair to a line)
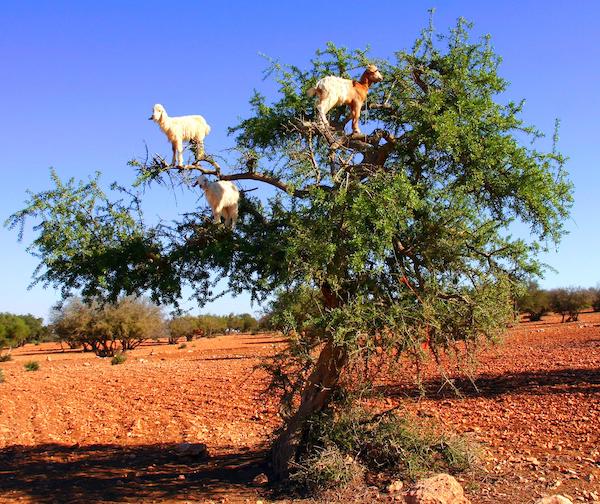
183, 327
403, 233
14, 330
247, 323
534, 301
106, 328
212, 325
595, 299
134, 320
569, 301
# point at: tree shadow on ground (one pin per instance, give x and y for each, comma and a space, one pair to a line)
53, 473
540, 382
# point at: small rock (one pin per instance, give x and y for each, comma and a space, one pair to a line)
48, 358
260, 479
439, 489
554, 499
533, 461
395, 486
191, 449
87, 364
181, 477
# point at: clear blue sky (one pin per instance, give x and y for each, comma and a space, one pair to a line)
78, 81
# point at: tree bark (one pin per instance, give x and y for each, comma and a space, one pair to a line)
315, 396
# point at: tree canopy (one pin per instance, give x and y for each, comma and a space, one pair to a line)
393, 239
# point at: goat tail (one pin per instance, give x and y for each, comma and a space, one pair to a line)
313, 91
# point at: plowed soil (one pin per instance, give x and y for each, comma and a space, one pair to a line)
82, 430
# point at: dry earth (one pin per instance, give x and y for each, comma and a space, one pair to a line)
82, 430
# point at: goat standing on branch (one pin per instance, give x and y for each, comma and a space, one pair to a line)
180, 129
223, 197
332, 91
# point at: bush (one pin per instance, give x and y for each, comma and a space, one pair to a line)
569, 301
182, 346
119, 358
326, 468
31, 366
5, 358
396, 446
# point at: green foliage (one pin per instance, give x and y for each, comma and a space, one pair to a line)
14, 330
31, 366
118, 358
209, 325
595, 299
399, 447
534, 301
104, 328
569, 302
391, 239
182, 327
325, 468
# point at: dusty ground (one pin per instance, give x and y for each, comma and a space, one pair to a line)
81, 430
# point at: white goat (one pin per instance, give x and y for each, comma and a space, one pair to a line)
180, 129
223, 197
332, 91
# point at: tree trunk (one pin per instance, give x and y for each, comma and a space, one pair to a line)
315, 396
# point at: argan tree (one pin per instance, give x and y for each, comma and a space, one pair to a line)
395, 239
105, 328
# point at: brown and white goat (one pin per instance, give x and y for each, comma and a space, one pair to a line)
332, 91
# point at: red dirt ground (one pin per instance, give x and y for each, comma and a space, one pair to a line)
82, 430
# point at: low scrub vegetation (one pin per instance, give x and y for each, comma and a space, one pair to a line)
31, 366
350, 442
1, 376
5, 357
118, 358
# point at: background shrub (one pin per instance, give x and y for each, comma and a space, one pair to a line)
118, 358
326, 468
388, 443
31, 366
